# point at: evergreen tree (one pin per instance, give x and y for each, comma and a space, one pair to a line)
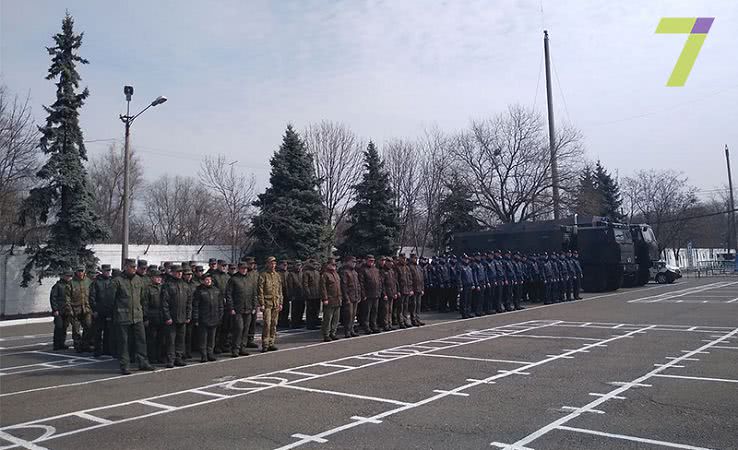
373, 220
588, 197
456, 210
63, 184
290, 220
609, 191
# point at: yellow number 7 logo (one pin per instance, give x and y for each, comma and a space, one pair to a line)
696, 28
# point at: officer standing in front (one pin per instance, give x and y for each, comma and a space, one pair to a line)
270, 303
129, 315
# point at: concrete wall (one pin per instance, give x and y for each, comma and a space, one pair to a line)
18, 301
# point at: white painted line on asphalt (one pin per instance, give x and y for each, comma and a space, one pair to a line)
365, 419
684, 377
558, 423
460, 394
618, 326
576, 338
517, 371
732, 301
342, 394
470, 358
305, 437
509, 446
674, 366
574, 408
14, 322
206, 393
20, 442
340, 366
62, 355
725, 347
564, 357
615, 397
683, 359
304, 374
157, 405
632, 438
478, 381
92, 418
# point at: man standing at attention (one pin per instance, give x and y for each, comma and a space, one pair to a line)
270, 303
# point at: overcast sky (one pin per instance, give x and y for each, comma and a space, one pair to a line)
237, 72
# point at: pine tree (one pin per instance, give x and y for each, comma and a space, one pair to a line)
373, 220
63, 184
609, 190
456, 210
588, 197
290, 220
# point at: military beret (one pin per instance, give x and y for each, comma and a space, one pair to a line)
270, 259
212, 261
175, 268
105, 267
243, 264
369, 257
199, 269
143, 263
154, 273
222, 262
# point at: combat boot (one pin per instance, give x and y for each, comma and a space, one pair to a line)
243, 352
212, 357
252, 344
272, 348
124, 370
179, 362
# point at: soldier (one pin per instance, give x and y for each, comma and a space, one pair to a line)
577, 275
311, 292
141, 269
418, 287
390, 294
512, 281
102, 297
502, 282
350, 295
207, 312
176, 308
330, 292
155, 330
453, 281
60, 309
371, 290
241, 304
480, 276
270, 303
129, 316
442, 284
232, 269
405, 286
220, 279
193, 278
490, 269
293, 291
522, 276
284, 314
467, 284
250, 328
80, 315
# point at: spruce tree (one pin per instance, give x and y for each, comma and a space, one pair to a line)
290, 220
63, 184
373, 220
456, 210
588, 197
610, 192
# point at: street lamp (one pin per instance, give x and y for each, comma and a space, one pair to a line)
128, 120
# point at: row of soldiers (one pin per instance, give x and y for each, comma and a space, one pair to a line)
183, 307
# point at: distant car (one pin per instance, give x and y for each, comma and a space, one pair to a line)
664, 273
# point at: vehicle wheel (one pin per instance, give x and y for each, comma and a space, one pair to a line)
661, 278
670, 278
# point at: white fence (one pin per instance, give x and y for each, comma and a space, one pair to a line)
693, 258
18, 301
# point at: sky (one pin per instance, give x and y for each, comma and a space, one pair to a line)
237, 72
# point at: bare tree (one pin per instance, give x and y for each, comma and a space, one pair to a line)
106, 176
434, 170
662, 199
507, 164
236, 193
338, 157
19, 160
179, 210
402, 159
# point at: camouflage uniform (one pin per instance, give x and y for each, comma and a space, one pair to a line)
270, 300
80, 313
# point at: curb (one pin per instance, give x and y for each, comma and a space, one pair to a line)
14, 322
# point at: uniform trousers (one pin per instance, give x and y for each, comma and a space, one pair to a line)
244, 329
269, 328
331, 314
133, 334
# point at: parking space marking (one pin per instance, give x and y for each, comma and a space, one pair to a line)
684, 377
623, 388
469, 358
631, 438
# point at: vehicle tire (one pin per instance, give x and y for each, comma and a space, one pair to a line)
670, 278
661, 278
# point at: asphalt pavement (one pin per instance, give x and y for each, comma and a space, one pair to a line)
651, 367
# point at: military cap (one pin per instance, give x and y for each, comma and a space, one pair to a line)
67, 273
243, 264
270, 259
348, 258
207, 275
184, 263
222, 262
187, 271
129, 262
232, 266
199, 269
105, 268
167, 263
175, 268
154, 273
249, 260
212, 261
369, 257
143, 263
80, 269
116, 272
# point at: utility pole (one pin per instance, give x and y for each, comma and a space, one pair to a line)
551, 132
732, 244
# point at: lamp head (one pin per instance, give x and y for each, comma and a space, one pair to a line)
159, 100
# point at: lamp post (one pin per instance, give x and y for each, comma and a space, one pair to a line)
128, 120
